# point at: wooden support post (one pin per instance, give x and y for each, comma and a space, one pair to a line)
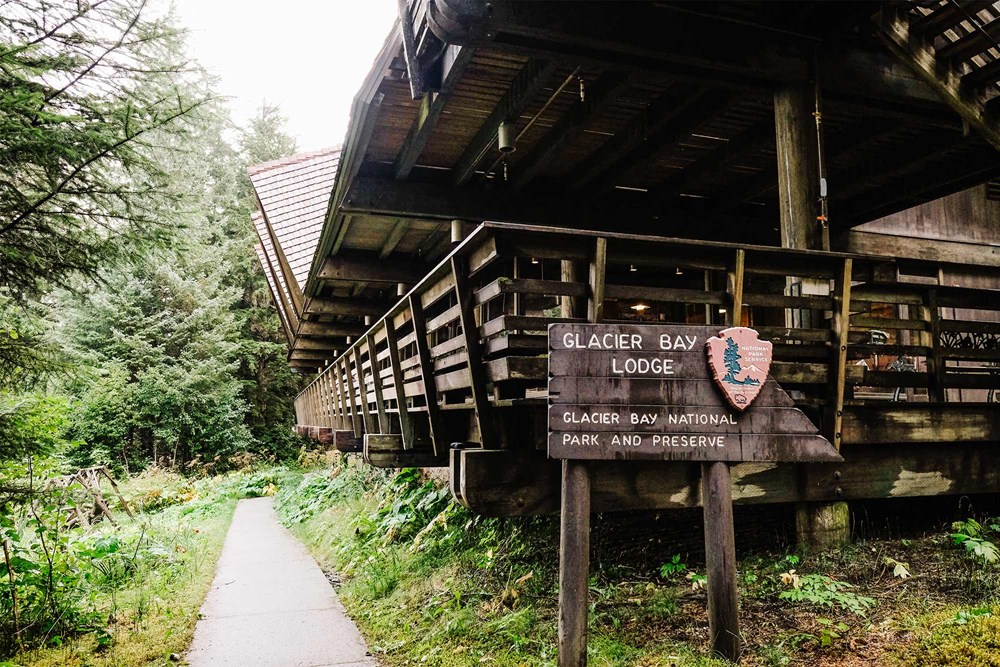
841, 327
574, 563
518, 302
935, 365
569, 306
427, 374
330, 405
720, 560
574, 517
345, 423
363, 390
798, 166
717, 503
477, 371
735, 289
818, 525
598, 269
345, 371
383, 415
392, 343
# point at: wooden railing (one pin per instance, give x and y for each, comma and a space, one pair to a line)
871, 358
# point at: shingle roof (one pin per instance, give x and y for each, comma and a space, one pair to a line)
294, 193
268, 260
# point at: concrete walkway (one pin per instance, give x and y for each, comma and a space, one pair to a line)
270, 604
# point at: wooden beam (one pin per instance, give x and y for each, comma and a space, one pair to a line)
347, 305
852, 138
931, 250
522, 90
316, 356
324, 344
598, 96
971, 44
386, 451
946, 17
920, 56
324, 329
517, 483
369, 270
456, 58
391, 241
679, 128
748, 142
648, 37
625, 140
934, 176
341, 234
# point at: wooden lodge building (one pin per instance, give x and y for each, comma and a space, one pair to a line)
821, 171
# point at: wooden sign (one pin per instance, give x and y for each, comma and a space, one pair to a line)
665, 392
671, 392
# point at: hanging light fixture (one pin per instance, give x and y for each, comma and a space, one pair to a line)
679, 272
631, 267
640, 307
505, 140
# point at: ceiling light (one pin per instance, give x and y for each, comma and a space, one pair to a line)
631, 267
679, 272
639, 307
534, 260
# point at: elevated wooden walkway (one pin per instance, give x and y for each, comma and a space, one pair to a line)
903, 376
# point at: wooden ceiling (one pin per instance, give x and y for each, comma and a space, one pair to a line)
648, 117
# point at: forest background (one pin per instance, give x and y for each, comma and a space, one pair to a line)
135, 324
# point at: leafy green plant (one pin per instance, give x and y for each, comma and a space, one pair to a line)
823, 591
974, 537
830, 631
672, 567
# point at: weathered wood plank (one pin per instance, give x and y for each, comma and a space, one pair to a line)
398, 388
528, 286
513, 483
427, 372
370, 270
363, 391
598, 275
386, 451
720, 561
521, 92
617, 391
943, 422
380, 407
477, 371
690, 447
347, 442
574, 564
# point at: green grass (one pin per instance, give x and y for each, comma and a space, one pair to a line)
430, 584
151, 612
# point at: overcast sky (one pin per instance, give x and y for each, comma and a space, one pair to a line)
308, 57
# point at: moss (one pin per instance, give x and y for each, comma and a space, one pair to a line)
949, 641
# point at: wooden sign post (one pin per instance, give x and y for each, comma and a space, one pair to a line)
674, 393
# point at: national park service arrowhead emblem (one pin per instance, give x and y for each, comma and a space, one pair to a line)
739, 362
